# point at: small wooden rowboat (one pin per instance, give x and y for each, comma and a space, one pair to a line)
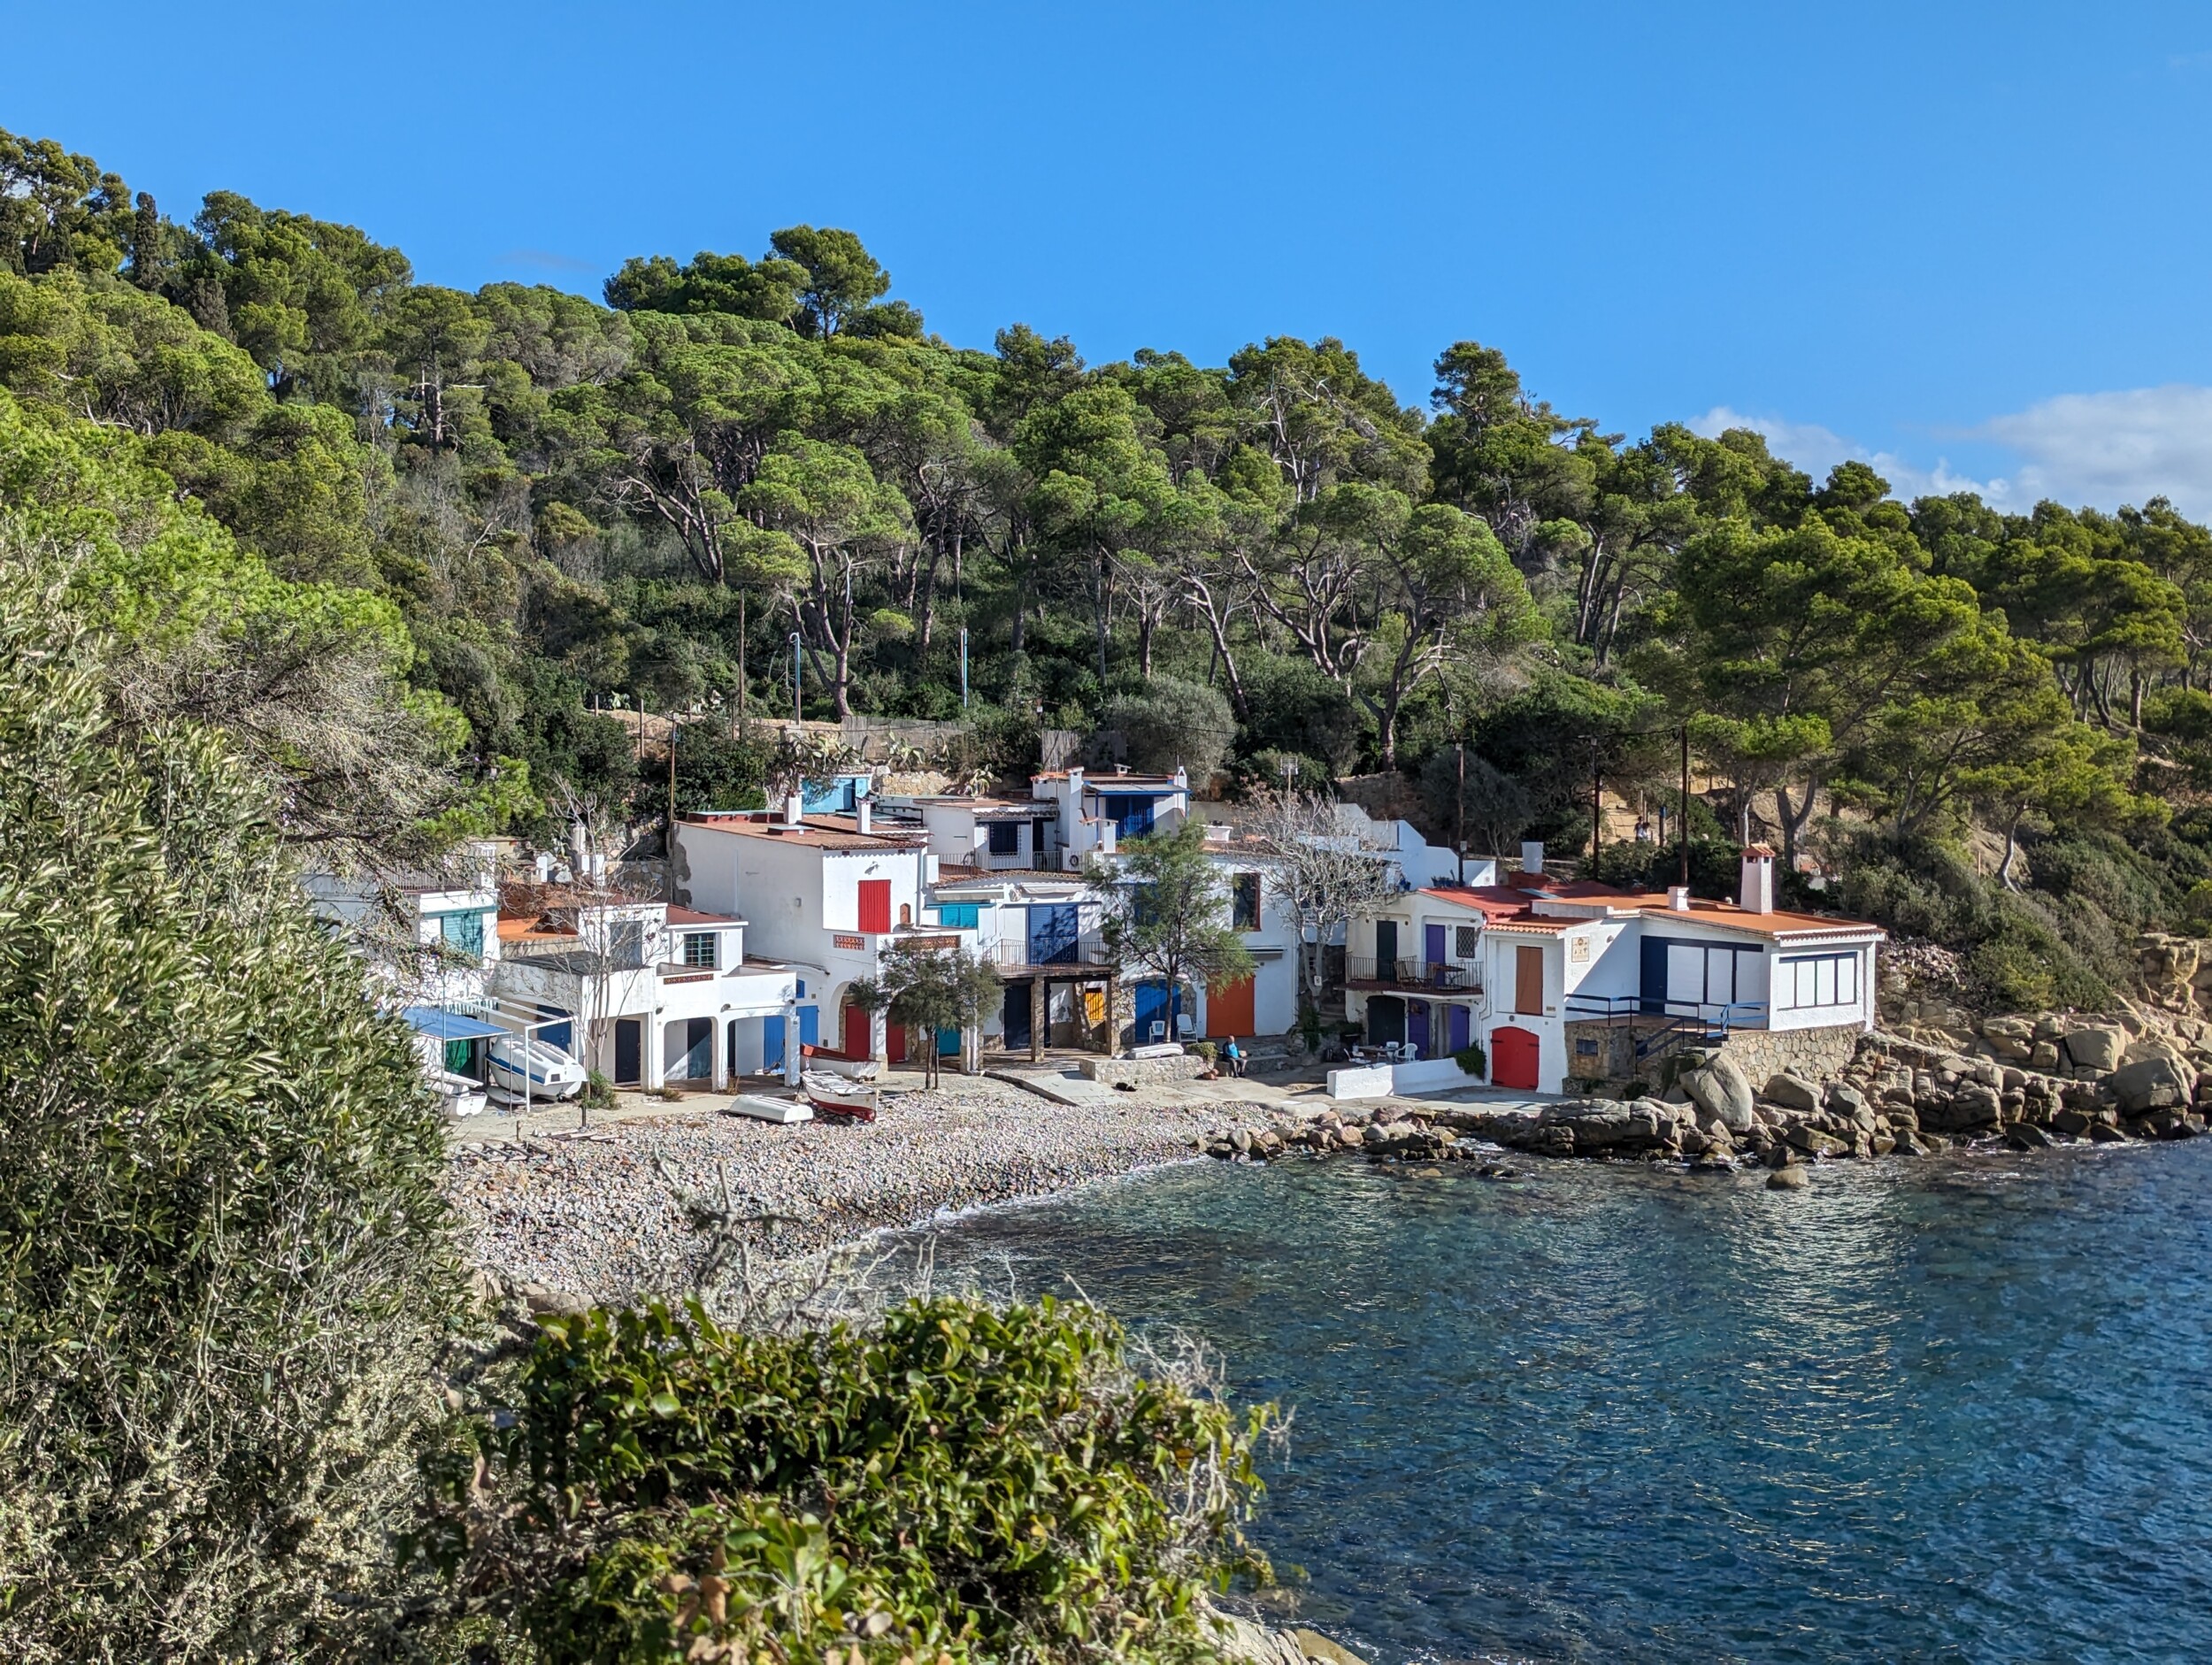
833, 1095
819, 1061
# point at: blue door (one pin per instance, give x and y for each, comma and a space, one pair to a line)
1153, 1007
1457, 1027
948, 1043
1052, 934
1417, 1025
1015, 1016
1652, 975
772, 1031
1133, 814
698, 1059
556, 1034
1432, 950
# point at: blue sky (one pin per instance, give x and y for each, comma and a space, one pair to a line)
1969, 241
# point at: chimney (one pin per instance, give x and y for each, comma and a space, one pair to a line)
1533, 856
544, 866
864, 817
1756, 892
794, 810
1677, 899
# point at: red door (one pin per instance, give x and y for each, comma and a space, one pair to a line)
1513, 1053
856, 1036
1229, 1009
875, 904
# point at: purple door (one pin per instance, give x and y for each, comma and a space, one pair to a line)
1455, 1024
1432, 950
1417, 1025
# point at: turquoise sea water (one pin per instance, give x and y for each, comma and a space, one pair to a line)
1954, 1410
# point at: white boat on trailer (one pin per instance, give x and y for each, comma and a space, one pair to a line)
551, 1073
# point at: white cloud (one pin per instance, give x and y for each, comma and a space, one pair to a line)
2099, 449
2110, 449
1816, 449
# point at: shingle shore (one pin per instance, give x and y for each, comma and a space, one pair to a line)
595, 1216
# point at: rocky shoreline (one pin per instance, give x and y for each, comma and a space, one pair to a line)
1896, 1096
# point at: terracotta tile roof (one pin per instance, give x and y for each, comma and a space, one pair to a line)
531, 928
1777, 923
814, 832
692, 916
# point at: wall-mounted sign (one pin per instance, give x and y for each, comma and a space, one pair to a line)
848, 942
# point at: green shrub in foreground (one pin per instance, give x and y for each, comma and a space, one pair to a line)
963, 1481
226, 1263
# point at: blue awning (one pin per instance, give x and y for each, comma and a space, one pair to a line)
443, 1025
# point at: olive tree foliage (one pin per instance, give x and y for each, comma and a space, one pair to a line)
226, 1263
931, 987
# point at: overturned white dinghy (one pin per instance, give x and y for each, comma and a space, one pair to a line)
549, 1073
763, 1108
456, 1094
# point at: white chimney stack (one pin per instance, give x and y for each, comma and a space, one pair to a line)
1677, 899
794, 810
1756, 892
1533, 856
864, 817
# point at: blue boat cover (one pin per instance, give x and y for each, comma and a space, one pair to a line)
444, 1025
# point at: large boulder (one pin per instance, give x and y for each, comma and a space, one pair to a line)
1718, 1088
1597, 1127
2156, 1083
2096, 1046
1970, 1105
1792, 1092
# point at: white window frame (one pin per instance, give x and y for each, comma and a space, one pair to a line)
1833, 975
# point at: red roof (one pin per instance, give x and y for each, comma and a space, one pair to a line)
692, 916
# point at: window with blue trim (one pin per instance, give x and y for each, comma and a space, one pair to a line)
462, 933
960, 916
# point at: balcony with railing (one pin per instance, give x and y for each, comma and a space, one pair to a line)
1019, 956
1447, 977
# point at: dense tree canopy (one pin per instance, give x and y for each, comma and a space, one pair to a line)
565, 507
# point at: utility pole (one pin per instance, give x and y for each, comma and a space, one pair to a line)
1685, 880
669, 839
964, 667
1597, 805
1459, 811
740, 664
798, 696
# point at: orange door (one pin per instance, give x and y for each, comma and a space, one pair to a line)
1229, 1010
1513, 1059
1528, 981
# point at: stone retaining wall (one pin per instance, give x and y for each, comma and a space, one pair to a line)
1816, 1055
1142, 1073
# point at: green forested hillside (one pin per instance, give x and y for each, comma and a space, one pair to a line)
528, 506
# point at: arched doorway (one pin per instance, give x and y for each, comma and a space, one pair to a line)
1514, 1058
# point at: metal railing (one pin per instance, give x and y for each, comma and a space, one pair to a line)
1017, 953
1450, 975
1666, 1026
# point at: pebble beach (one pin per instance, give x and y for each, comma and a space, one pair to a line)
598, 1214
